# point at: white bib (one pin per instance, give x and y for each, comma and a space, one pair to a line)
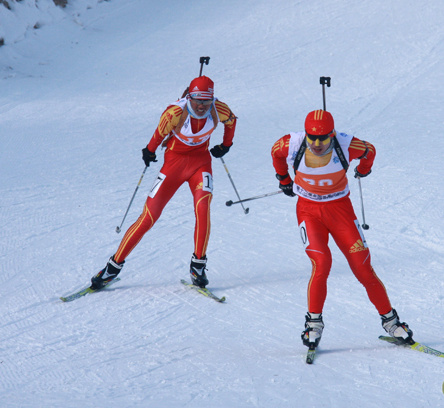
324, 183
186, 134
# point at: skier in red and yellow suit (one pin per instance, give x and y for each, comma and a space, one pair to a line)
324, 208
185, 128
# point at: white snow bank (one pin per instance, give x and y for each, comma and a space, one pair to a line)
18, 19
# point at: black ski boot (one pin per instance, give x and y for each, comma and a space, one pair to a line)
197, 271
392, 325
312, 334
107, 274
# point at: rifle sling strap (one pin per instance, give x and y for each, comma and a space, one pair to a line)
336, 146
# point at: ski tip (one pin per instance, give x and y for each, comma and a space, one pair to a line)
85, 291
204, 291
310, 357
311, 354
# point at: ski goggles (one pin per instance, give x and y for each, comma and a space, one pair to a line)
324, 139
205, 102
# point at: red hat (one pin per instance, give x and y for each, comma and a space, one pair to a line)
319, 122
201, 88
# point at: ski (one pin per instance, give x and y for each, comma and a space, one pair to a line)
203, 291
85, 291
414, 346
311, 354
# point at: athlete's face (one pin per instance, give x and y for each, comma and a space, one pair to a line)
318, 147
201, 106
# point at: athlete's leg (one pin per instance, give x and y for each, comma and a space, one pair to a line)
347, 233
315, 239
168, 181
201, 186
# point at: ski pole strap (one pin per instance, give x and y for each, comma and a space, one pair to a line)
336, 146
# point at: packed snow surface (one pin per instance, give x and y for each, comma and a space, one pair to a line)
81, 95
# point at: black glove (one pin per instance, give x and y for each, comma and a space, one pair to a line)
219, 150
148, 156
360, 175
287, 188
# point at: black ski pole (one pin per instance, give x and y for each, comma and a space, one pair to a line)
364, 225
324, 81
246, 210
230, 203
118, 229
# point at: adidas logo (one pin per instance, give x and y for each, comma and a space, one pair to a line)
196, 88
358, 246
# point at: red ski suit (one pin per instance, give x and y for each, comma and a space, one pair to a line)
324, 208
186, 159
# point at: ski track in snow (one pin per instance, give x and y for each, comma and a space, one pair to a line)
79, 100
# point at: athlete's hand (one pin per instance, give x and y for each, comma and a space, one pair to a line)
219, 150
287, 189
148, 156
286, 184
360, 175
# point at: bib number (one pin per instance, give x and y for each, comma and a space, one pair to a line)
304, 236
207, 182
160, 178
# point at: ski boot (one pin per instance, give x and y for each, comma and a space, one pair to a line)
107, 274
392, 325
197, 271
312, 334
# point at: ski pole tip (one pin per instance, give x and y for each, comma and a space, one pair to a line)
229, 203
118, 229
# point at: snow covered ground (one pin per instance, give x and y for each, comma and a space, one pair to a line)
81, 96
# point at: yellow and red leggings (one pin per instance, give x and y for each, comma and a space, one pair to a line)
336, 218
176, 170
